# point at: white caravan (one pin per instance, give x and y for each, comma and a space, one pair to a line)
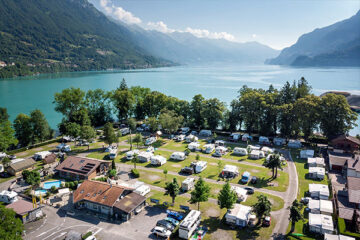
158, 160
240, 151
189, 224
130, 154
188, 184
178, 156
200, 166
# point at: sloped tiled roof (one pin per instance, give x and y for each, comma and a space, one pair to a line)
353, 189
23, 164
130, 202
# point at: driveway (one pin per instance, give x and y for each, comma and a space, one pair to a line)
57, 224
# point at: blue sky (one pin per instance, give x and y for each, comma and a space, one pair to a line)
277, 23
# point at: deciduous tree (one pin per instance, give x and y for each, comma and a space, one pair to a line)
201, 192
11, 227
109, 133
23, 129
227, 197
172, 189
262, 207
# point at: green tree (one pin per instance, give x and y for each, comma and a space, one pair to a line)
134, 160
123, 85
98, 104
87, 133
112, 173
172, 189
154, 103
201, 192
336, 116
227, 197
109, 133
197, 157
6, 131
295, 214
196, 111
274, 163
73, 130
11, 227
170, 121
220, 165
80, 117
262, 206
23, 129
153, 124
213, 112
165, 173
41, 130
132, 124
31, 177
138, 139
123, 101
69, 101
6, 161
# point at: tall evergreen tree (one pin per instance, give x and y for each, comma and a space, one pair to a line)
109, 133
295, 214
172, 189
201, 192
227, 197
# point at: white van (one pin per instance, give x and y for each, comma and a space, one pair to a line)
188, 184
194, 146
200, 166
130, 154
157, 160
240, 151
178, 156
180, 138
208, 148
142, 190
8, 197
191, 138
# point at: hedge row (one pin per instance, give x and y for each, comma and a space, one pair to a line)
33, 146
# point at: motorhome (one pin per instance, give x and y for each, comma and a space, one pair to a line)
230, 171
208, 148
41, 155
179, 138
144, 156
150, 141
256, 154
188, 184
239, 215
205, 133
241, 193
264, 140
142, 190
307, 153
124, 131
200, 166
178, 156
157, 160
109, 148
8, 197
130, 154
189, 224
150, 149
240, 151
191, 138
113, 153
194, 146
220, 150
245, 177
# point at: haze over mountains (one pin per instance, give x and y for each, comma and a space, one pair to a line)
334, 45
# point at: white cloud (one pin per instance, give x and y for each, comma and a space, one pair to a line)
254, 35
159, 26
119, 13
203, 33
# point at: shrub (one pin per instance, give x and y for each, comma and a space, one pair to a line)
135, 173
71, 185
88, 234
187, 152
53, 189
66, 184
112, 173
76, 183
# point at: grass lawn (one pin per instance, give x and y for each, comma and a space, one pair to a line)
212, 217
158, 179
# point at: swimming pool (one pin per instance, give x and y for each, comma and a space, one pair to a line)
40, 192
48, 185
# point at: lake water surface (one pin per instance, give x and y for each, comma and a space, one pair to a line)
23, 94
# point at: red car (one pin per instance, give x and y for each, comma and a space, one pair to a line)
267, 221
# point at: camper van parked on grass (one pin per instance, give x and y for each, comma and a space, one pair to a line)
188, 184
205, 133
230, 171
240, 151
158, 160
130, 154
8, 197
191, 138
264, 140
194, 146
245, 177
189, 224
239, 215
41, 155
113, 153
150, 141
178, 156
200, 166
179, 138
208, 148
144, 156
256, 154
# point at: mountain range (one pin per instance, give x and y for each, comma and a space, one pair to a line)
334, 45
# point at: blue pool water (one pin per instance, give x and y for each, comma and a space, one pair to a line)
48, 185
40, 192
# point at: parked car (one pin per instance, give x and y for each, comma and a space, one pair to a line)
175, 215
253, 180
217, 154
162, 232
187, 170
165, 224
249, 190
173, 221
267, 221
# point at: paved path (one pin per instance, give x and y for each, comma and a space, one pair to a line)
290, 195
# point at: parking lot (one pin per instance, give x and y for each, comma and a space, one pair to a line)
56, 225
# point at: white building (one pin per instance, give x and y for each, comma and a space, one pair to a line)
319, 191
316, 162
317, 173
320, 223
328, 236
321, 206
308, 153
239, 215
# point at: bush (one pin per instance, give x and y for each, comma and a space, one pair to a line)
53, 189
187, 152
71, 185
88, 234
135, 173
112, 173
76, 183
66, 184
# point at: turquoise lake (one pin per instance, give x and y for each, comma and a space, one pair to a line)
23, 94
